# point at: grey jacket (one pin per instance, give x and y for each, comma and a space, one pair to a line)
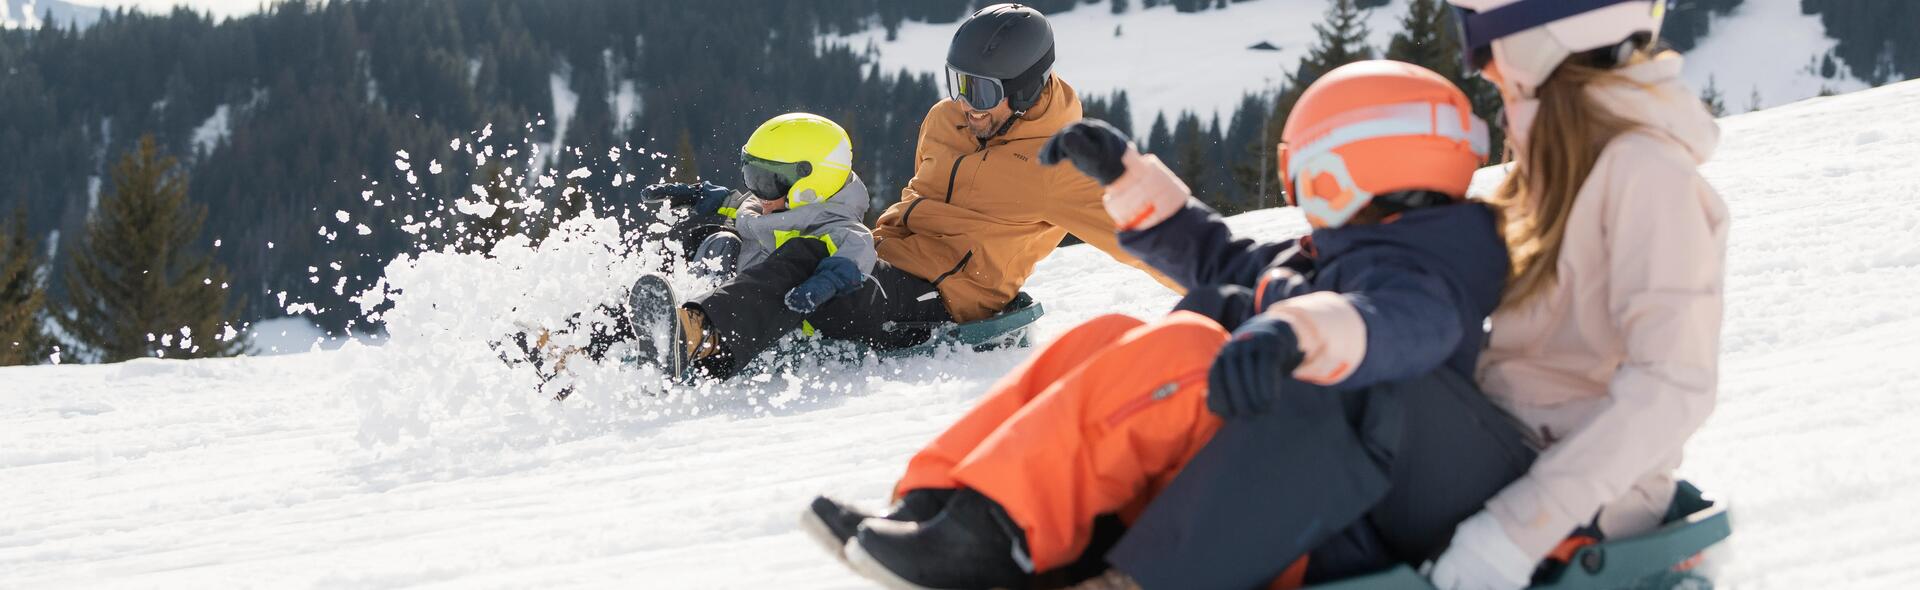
836, 221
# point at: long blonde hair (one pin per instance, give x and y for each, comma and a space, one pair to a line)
1536, 199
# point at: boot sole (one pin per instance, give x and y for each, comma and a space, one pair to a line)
817, 530
658, 336
864, 564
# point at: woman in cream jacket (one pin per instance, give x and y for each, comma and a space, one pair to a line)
1607, 343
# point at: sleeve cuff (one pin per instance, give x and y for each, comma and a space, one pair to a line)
1534, 523
1332, 335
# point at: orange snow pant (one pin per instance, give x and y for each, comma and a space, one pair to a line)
1096, 422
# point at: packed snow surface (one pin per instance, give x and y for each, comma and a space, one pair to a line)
425, 462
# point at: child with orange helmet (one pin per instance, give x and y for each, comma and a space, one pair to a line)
1333, 364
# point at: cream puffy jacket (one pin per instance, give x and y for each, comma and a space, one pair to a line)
1616, 365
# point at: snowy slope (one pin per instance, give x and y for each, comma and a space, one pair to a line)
1170, 61
30, 13
423, 463
1165, 60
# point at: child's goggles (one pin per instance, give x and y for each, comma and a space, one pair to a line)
1317, 179
768, 179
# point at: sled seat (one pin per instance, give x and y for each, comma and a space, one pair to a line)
1008, 328
1660, 560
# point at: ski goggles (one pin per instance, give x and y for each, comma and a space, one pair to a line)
978, 92
1478, 30
769, 179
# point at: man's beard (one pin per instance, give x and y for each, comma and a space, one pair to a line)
982, 127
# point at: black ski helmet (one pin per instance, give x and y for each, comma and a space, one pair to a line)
1009, 42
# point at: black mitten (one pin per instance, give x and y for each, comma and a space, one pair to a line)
1094, 147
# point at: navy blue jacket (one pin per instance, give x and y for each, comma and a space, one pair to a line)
1423, 283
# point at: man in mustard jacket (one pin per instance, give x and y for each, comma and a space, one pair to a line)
980, 212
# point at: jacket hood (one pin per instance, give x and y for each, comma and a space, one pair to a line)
1461, 237
1058, 106
850, 203
1659, 101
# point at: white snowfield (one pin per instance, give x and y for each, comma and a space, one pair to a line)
425, 463
1169, 62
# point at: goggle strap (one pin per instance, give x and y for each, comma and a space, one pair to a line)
1481, 28
1404, 119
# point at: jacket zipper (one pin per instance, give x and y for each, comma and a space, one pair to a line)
956, 268
907, 218
1164, 391
955, 174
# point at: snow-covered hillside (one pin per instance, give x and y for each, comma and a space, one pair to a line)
425, 463
1172, 62
1165, 60
31, 13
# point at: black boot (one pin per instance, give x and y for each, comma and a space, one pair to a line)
970, 544
832, 522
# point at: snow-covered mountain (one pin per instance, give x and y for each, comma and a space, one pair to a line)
1205, 61
30, 13
426, 463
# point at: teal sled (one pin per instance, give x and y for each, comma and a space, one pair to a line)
1009, 329
1660, 560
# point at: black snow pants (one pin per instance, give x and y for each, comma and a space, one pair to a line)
891, 310
1357, 480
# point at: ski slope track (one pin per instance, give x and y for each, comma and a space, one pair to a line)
425, 463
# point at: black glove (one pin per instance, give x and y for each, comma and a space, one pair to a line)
1094, 147
705, 198
680, 194
1247, 373
834, 277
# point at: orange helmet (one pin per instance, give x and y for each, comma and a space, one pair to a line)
1376, 127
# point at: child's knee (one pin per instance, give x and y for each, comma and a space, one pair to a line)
1112, 323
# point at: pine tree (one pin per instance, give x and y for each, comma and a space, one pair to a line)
1119, 7
22, 341
1423, 40
1253, 166
137, 287
1753, 101
686, 165
1342, 40
1716, 104
1160, 139
1190, 155
1122, 113
1427, 39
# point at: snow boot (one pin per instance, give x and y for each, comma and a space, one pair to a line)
832, 523
972, 543
667, 335
717, 256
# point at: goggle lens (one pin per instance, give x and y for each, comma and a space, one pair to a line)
768, 179
1474, 53
979, 92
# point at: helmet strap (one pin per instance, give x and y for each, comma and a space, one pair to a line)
1007, 126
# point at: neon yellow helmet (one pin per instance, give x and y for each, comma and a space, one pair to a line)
803, 157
